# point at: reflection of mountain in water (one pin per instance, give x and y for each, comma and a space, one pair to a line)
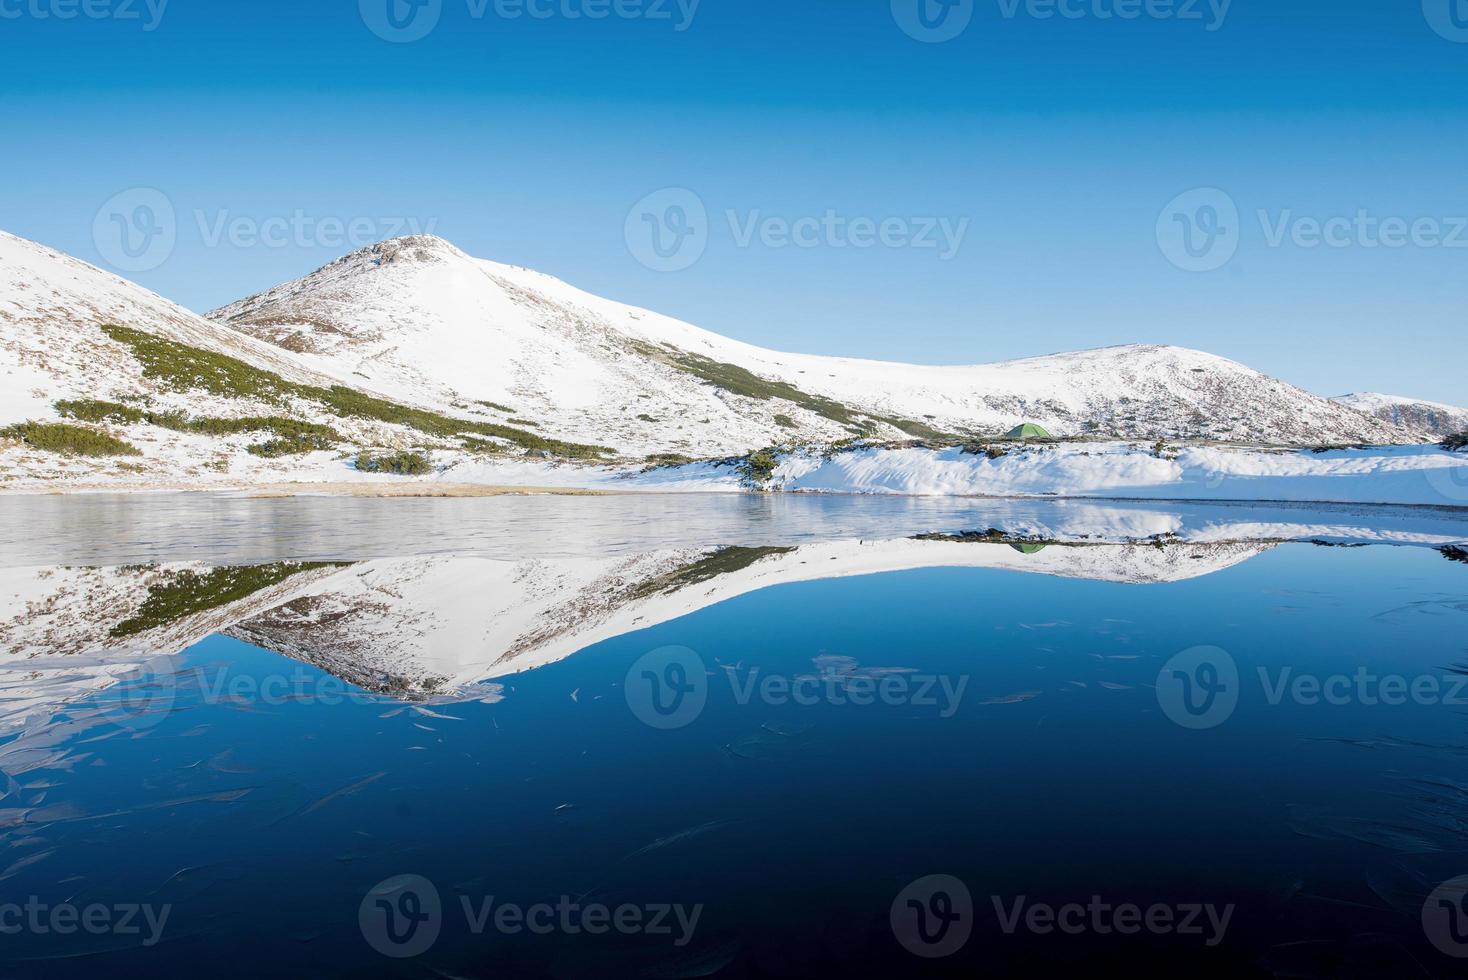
428, 626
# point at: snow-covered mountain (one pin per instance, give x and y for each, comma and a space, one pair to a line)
424, 322
474, 367
1433, 420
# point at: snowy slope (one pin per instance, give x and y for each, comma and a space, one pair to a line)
51, 306
1433, 420
420, 319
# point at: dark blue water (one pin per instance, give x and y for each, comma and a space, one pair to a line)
1028, 741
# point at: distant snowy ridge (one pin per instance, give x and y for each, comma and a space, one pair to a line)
1433, 420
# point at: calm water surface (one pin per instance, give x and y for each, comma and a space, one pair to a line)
1231, 760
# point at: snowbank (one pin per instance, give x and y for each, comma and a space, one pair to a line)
1423, 475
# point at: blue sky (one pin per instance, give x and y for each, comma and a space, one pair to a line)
1059, 145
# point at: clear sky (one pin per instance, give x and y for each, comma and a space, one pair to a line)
1056, 141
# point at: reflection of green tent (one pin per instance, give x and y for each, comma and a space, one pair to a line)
1028, 549
1027, 431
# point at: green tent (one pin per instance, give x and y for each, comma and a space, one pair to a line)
1027, 431
1027, 549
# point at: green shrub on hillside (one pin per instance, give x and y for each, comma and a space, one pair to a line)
290, 436
759, 467
69, 440
399, 463
93, 410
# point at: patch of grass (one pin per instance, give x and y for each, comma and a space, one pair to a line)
291, 436
497, 408
721, 562
69, 440
188, 592
93, 410
399, 463
668, 459
741, 381
919, 430
785, 422
290, 445
184, 368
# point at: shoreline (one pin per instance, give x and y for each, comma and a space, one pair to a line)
288, 490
